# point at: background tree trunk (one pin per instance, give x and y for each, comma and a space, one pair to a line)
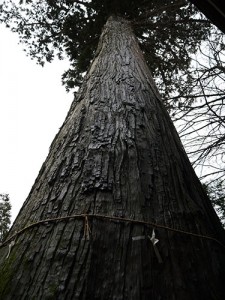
117, 154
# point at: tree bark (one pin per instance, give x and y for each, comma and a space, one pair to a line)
117, 154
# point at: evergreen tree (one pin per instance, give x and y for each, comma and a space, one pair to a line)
168, 33
115, 171
5, 214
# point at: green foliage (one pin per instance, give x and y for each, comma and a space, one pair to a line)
216, 193
5, 214
168, 31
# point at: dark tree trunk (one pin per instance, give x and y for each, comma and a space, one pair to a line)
117, 154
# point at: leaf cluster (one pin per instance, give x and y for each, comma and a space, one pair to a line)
216, 193
5, 215
168, 31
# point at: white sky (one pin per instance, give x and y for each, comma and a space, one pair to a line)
33, 105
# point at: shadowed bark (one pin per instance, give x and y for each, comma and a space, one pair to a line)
117, 154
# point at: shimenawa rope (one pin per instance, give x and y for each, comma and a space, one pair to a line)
87, 230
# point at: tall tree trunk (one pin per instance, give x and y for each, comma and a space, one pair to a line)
117, 154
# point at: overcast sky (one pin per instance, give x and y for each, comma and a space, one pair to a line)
33, 105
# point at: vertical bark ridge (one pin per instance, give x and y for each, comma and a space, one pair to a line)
118, 154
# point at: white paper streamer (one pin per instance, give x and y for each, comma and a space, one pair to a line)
138, 238
10, 248
154, 241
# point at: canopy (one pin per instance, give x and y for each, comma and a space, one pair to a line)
213, 10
